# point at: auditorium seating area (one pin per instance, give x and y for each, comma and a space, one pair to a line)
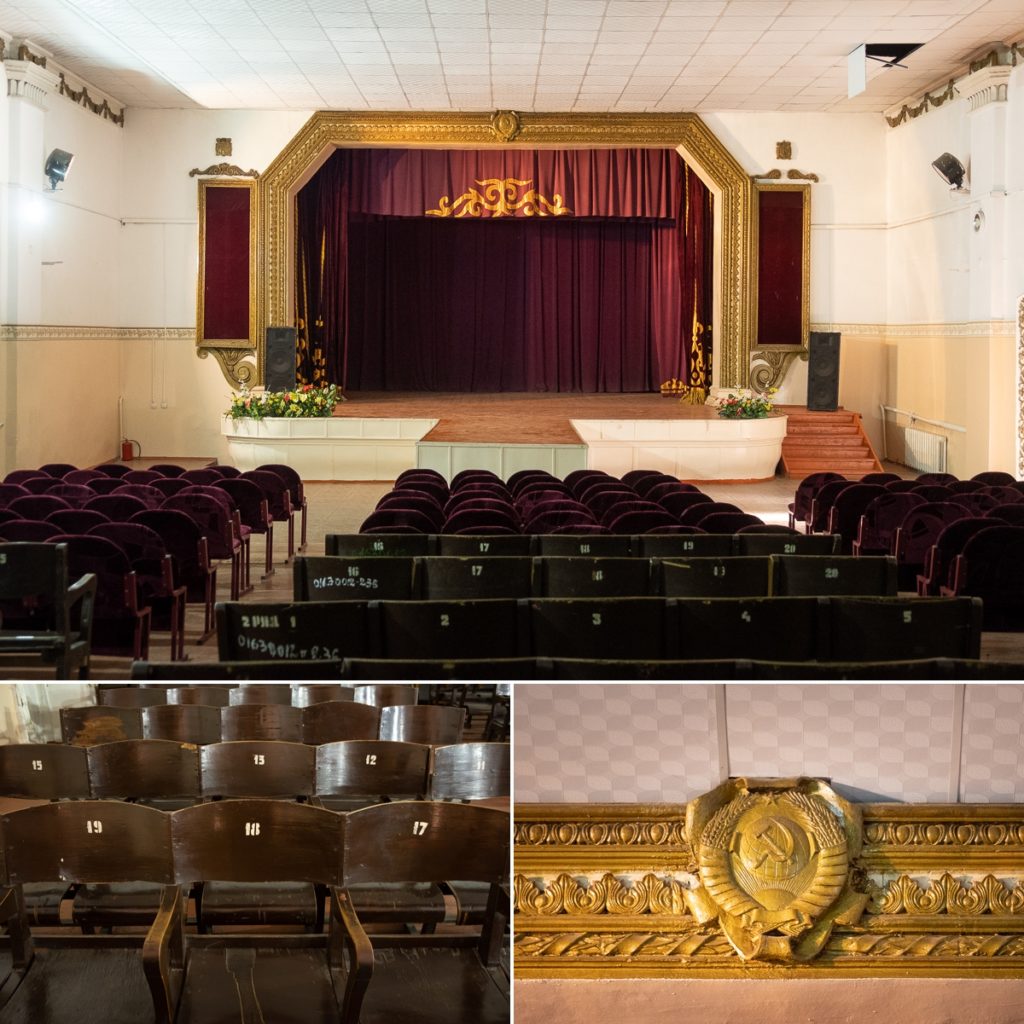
253, 870
443, 593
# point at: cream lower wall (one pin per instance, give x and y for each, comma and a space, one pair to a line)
60, 400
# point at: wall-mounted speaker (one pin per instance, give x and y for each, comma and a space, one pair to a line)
823, 371
279, 367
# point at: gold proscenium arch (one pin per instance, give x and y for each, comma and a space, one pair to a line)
326, 131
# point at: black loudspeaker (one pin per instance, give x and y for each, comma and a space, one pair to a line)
279, 372
823, 372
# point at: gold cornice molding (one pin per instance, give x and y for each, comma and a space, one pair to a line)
225, 170
44, 332
620, 890
328, 130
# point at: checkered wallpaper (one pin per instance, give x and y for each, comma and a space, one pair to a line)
669, 742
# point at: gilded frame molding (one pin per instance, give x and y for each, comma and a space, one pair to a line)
770, 363
610, 891
325, 131
234, 355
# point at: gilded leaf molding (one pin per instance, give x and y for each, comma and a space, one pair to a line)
225, 170
949, 895
501, 198
760, 874
608, 895
83, 99
585, 833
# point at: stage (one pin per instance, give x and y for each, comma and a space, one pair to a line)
374, 436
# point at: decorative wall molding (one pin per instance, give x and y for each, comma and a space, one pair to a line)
224, 170
767, 873
83, 99
42, 332
29, 81
964, 329
989, 85
1002, 58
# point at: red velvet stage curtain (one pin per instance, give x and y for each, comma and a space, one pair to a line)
391, 297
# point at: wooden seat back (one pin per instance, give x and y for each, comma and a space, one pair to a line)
336, 720
736, 576
98, 724
184, 723
471, 771
353, 578
43, 771
257, 768
149, 769
422, 723
833, 575
372, 768
261, 722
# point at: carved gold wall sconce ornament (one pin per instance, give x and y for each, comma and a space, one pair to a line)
774, 865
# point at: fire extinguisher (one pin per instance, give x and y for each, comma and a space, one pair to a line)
128, 450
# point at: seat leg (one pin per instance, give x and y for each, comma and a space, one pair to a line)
305, 509
269, 560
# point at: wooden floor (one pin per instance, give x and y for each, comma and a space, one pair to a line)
341, 507
513, 417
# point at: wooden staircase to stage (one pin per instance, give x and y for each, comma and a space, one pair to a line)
817, 441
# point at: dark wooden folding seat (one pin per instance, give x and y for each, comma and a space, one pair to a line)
733, 576
685, 545
593, 577
261, 693
319, 693
356, 773
833, 575
184, 723
422, 723
63, 979
98, 724
161, 773
625, 627
607, 545
638, 669
353, 578
467, 772
131, 696
304, 630
362, 544
41, 612
755, 542
272, 977
457, 545
261, 722
281, 769
449, 629
894, 629
211, 696
426, 842
471, 771
382, 695
335, 720
444, 578
770, 628
989, 567
474, 669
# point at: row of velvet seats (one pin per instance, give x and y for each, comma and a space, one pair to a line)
326, 722
445, 578
644, 628
587, 501
150, 769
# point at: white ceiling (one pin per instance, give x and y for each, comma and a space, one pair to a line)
585, 55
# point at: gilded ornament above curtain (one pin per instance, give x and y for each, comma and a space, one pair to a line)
501, 198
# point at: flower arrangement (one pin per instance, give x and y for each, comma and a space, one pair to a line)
752, 407
306, 401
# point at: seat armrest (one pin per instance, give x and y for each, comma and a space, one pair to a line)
163, 954
81, 592
346, 929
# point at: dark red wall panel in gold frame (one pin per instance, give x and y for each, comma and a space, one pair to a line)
783, 264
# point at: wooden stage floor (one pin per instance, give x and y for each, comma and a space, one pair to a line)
513, 417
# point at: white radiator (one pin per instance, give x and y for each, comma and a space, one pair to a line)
925, 451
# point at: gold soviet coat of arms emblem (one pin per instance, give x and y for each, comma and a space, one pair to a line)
773, 860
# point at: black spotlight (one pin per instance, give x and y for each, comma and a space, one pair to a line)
58, 163
950, 170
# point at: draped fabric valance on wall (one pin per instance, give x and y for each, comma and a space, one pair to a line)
592, 274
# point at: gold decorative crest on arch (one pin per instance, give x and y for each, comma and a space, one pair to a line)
326, 131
